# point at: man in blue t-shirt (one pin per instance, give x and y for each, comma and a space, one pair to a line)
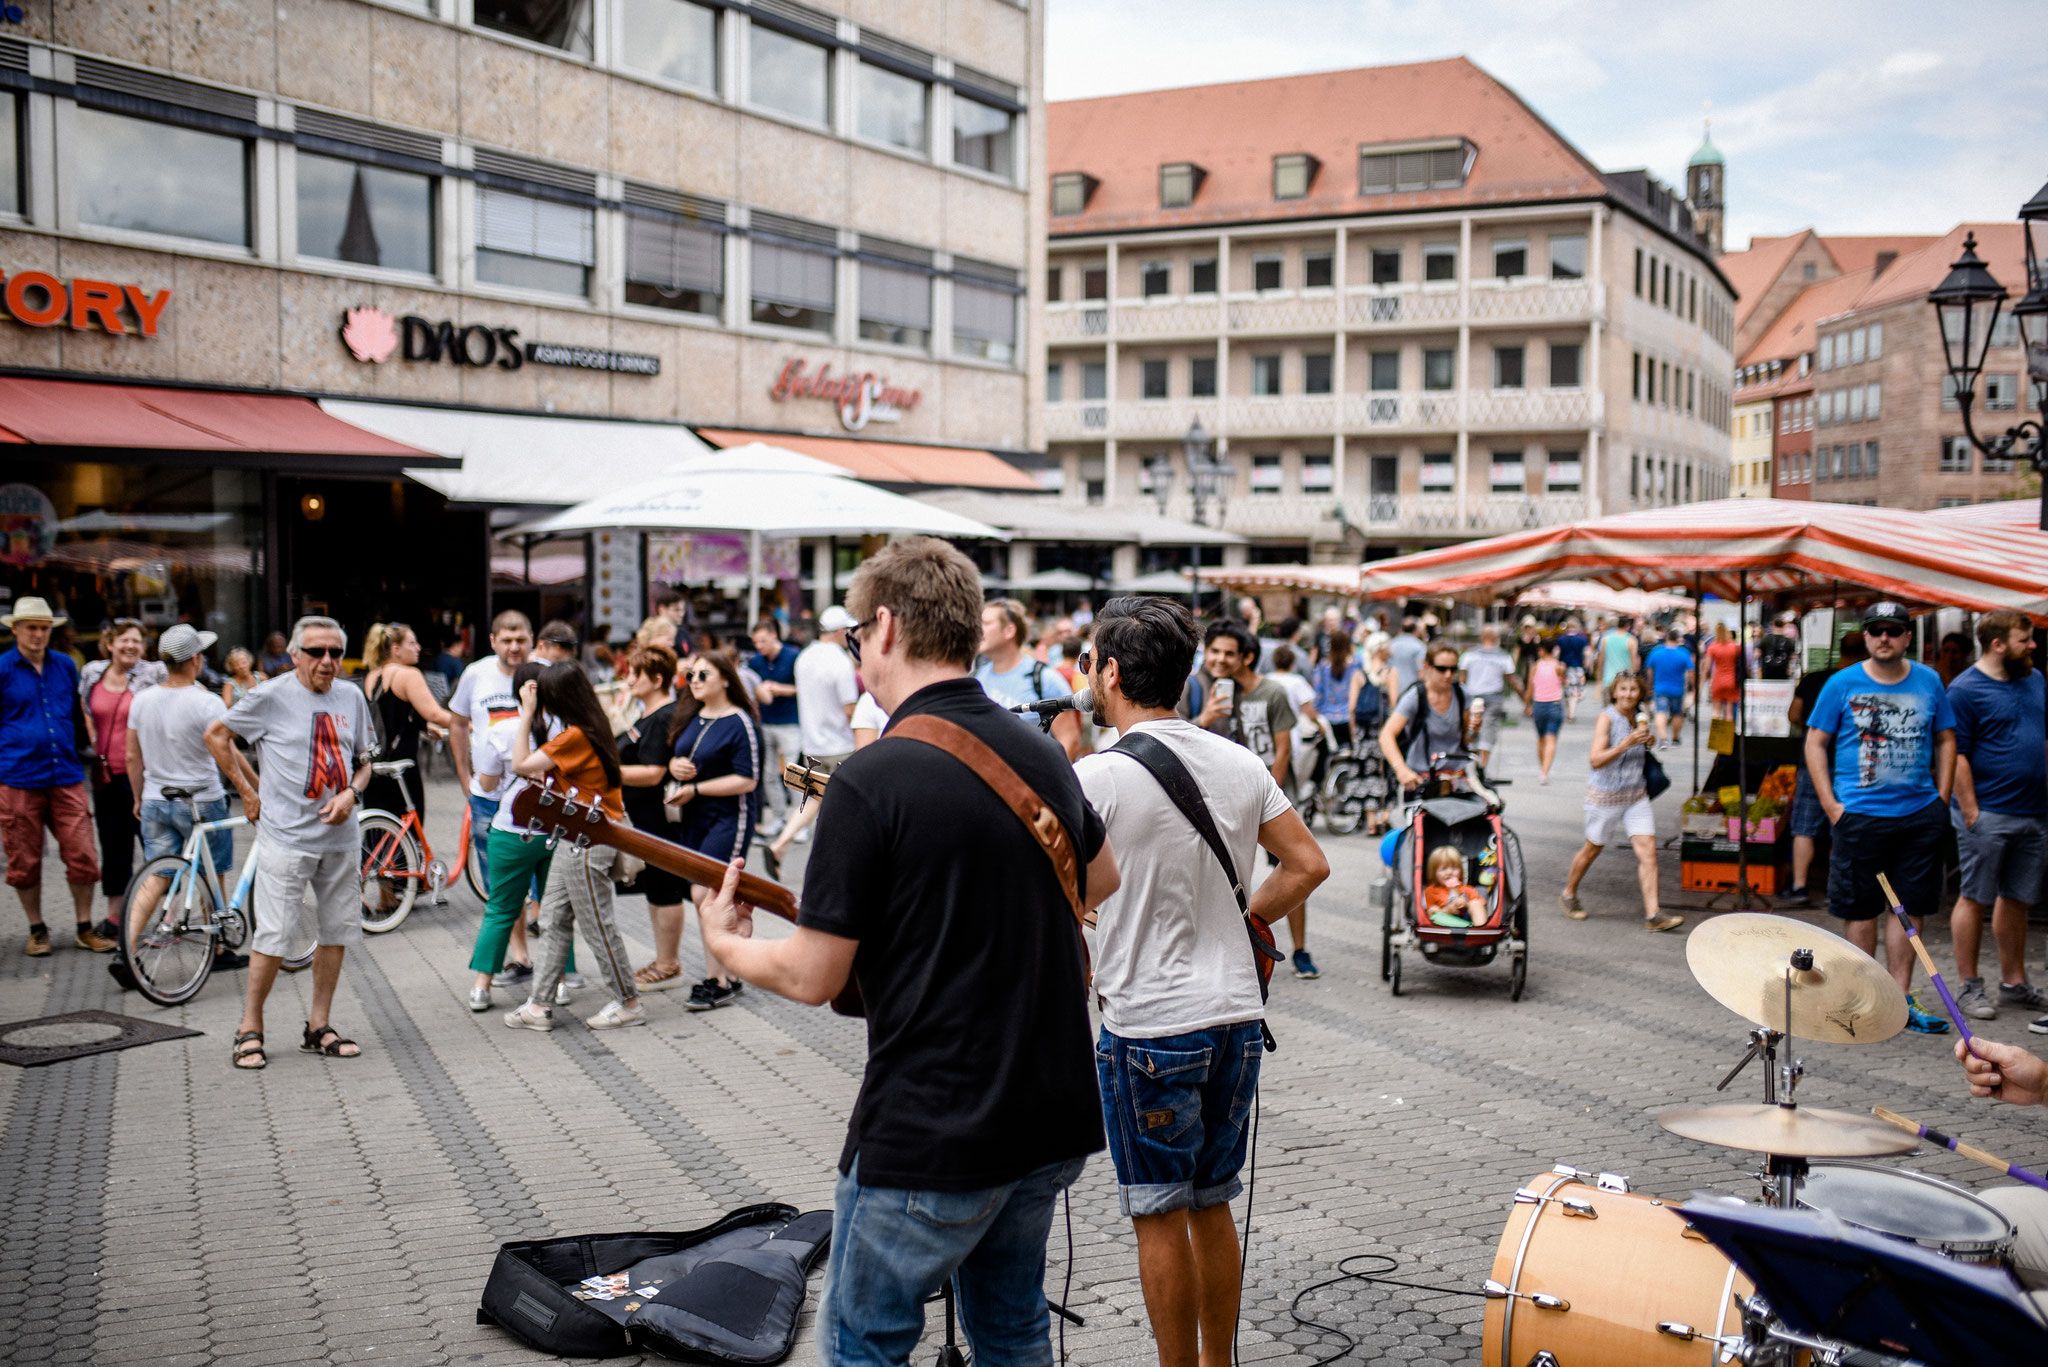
1671, 674
774, 663
2000, 812
1881, 746
1013, 677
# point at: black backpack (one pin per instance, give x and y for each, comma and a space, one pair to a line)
1417, 690
1775, 654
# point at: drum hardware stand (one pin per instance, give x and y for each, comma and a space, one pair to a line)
949, 1351
1782, 1176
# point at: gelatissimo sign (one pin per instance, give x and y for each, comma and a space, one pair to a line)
374, 336
38, 299
860, 398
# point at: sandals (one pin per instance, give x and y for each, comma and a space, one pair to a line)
250, 1037
651, 978
328, 1043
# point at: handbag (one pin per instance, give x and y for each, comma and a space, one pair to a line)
672, 791
1655, 781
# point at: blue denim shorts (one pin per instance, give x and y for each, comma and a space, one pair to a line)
1176, 1108
1549, 718
1808, 820
1669, 704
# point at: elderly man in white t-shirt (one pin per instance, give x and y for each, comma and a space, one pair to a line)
1175, 972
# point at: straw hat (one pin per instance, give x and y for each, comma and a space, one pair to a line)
32, 610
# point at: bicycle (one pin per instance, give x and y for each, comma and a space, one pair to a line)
176, 911
398, 859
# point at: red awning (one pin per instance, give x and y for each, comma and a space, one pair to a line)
892, 462
82, 417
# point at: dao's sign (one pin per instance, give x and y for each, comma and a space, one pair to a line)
41, 300
372, 335
860, 399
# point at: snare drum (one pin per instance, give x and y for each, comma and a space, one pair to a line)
1609, 1267
1911, 1206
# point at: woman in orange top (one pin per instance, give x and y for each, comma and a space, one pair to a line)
1725, 655
582, 756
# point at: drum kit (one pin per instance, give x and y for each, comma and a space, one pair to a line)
1589, 1272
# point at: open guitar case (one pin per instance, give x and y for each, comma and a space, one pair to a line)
729, 1292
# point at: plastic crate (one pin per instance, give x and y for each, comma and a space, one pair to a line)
1701, 876
1762, 831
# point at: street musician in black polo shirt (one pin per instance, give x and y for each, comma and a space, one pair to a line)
931, 895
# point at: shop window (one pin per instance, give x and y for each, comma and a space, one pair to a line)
893, 108
1265, 273
1316, 372
672, 40
1439, 368
895, 304
1202, 377
1155, 279
1202, 276
1265, 376
1318, 473
1440, 263
984, 321
535, 244
793, 285
1564, 365
1507, 367
1510, 259
563, 24
1316, 271
983, 136
160, 178
366, 215
1266, 475
1386, 265
789, 76
10, 154
1152, 379
1384, 371
1567, 256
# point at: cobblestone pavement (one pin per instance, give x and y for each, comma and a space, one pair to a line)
164, 1210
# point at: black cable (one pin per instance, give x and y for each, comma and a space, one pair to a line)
1067, 1286
1377, 1277
1244, 1255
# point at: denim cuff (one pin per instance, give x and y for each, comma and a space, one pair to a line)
1162, 1198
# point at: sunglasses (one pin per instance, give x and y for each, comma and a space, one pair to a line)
853, 637
1444, 669
1085, 662
324, 652
697, 676
1885, 629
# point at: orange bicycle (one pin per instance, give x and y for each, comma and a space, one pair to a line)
398, 859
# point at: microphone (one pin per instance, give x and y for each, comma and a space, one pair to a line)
1083, 701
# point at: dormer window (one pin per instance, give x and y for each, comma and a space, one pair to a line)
1391, 168
1293, 173
1178, 182
1071, 191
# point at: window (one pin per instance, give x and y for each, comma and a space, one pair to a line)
1386, 265
535, 244
10, 154
1854, 460
1856, 403
1155, 279
1827, 353
2006, 331
1152, 379
893, 109
157, 178
1095, 282
1948, 393
1055, 382
1095, 490
672, 263
1635, 475
982, 136
2001, 391
1567, 257
1876, 340
1955, 456
789, 75
1870, 459
1510, 259
1266, 477
1667, 284
1178, 183
1265, 273
1440, 262
1564, 365
1639, 272
1506, 475
1438, 476
895, 304
1316, 372
1692, 298
1384, 370
1070, 191
1635, 383
1202, 276
1507, 367
1439, 368
1382, 173
1318, 474
1094, 380
1856, 346
793, 285
1265, 375
1565, 474
1202, 377
984, 319
1316, 271
564, 24
364, 214
670, 39
1055, 280
1292, 174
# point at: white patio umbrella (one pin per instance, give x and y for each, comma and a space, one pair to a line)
759, 503
1053, 581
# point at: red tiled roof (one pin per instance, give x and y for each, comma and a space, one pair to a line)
2002, 246
1752, 272
1234, 130
1792, 332
1861, 253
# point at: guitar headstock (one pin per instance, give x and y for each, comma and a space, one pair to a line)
806, 776
552, 810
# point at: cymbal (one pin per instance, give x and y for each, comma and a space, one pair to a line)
1787, 1131
1847, 997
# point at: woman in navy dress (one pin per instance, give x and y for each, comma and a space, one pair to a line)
717, 765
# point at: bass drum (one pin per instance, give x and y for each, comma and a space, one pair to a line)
1620, 1264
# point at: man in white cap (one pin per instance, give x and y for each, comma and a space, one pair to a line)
826, 690
42, 781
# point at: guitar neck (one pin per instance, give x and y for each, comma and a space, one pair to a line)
670, 857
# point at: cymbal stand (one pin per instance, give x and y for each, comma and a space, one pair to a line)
1782, 1175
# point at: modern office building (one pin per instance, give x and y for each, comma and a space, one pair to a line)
1407, 309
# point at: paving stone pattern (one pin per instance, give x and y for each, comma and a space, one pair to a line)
164, 1210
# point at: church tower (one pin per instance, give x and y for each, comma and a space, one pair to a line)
1706, 178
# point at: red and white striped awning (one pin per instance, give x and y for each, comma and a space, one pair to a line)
1337, 581
1778, 543
2020, 514
1594, 597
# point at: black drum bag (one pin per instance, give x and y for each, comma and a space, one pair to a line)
729, 1292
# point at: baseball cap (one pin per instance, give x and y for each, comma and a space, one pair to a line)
1886, 612
835, 618
182, 642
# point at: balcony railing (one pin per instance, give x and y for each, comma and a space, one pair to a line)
1282, 414
1280, 312
1372, 308
1389, 412
1531, 410
1068, 421
1531, 301
1396, 306
1434, 516
1398, 411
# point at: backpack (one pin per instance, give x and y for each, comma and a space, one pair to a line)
1370, 711
1774, 654
1417, 689
1038, 681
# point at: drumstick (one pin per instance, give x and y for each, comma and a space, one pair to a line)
1955, 1013
1969, 1151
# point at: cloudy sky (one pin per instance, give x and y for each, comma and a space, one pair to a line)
1870, 117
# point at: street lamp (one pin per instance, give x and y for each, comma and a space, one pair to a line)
1966, 306
1209, 473
1159, 469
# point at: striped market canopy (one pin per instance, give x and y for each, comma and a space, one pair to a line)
1339, 581
2021, 514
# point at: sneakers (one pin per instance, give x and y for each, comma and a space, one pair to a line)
1975, 1002
38, 944
479, 999
562, 992
1668, 921
1305, 967
710, 994
1796, 897
616, 1017
1920, 1023
572, 979
90, 938
2025, 996
530, 1017
513, 975
2039, 1025
1573, 907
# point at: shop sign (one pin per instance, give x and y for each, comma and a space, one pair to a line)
860, 399
41, 300
28, 525
373, 335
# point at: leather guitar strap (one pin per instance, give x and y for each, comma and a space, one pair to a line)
1043, 823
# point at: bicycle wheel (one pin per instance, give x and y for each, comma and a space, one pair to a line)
393, 870
167, 933
473, 871
1346, 809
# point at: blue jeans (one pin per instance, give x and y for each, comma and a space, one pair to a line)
891, 1249
166, 826
1175, 1108
481, 811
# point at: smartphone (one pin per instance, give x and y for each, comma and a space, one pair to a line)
1226, 691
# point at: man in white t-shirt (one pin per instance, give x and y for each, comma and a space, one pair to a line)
483, 698
826, 690
1488, 673
1308, 728
1175, 972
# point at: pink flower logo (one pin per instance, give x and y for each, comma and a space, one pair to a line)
369, 333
